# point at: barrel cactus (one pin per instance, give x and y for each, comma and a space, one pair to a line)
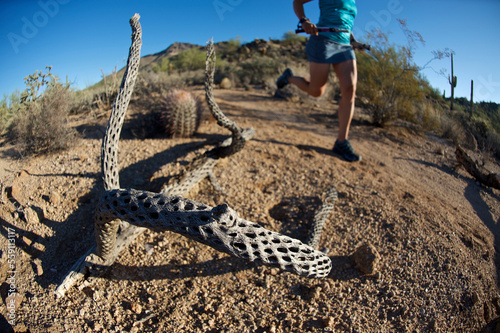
180, 116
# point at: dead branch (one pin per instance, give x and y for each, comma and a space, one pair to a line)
477, 171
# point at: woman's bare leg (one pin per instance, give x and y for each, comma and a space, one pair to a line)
317, 83
346, 72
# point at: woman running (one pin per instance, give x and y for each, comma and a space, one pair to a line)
325, 48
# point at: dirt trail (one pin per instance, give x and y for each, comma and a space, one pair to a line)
436, 231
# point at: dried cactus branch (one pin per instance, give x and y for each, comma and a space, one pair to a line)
219, 227
237, 133
109, 151
477, 171
321, 217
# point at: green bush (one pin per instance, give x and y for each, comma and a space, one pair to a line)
189, 60
164, 66
388, 88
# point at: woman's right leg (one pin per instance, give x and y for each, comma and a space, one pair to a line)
317, 83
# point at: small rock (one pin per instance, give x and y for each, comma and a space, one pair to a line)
367, 258
329, 322
149, 248
136, 308
440, 151
13, 299
33, 214
219, 313
408, 195
38, 267
83, 157
226, 83
17, 186
97, 327
54, 198
27, 241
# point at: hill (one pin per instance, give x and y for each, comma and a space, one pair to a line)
436, 230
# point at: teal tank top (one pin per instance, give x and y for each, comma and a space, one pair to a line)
337, 14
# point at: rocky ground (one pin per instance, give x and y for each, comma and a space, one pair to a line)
434, 232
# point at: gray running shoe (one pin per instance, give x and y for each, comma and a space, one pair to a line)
345, 150
283, 79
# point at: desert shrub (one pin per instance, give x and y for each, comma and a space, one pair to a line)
390, 87
42, 126
151, 84
229, 48
432, 92
181, 114
425, 115
100, 96
492, 143
189, 60
452, 129
256, 70
164, 66
228, 70
393, 87
490, 112
291, 38
9, 107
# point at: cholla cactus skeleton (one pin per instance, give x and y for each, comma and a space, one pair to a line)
219, 227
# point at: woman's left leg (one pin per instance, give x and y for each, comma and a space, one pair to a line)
346, 72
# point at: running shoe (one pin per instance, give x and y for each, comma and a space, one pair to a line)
345, 150
283, 79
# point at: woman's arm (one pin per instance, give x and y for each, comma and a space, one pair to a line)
353, 39
298, 8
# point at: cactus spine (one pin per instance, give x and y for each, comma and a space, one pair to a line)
453, 82
180, 117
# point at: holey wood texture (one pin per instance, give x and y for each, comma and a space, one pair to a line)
123, 213
219, 227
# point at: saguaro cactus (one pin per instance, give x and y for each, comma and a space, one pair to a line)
471, 97
453, 82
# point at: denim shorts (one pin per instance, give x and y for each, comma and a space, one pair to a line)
323, 50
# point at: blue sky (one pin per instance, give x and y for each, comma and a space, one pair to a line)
79, 38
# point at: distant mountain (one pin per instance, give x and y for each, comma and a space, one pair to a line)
148, 61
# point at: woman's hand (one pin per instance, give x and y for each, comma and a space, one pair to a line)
360, 46
310, 28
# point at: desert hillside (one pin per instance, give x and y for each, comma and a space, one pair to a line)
433, 229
